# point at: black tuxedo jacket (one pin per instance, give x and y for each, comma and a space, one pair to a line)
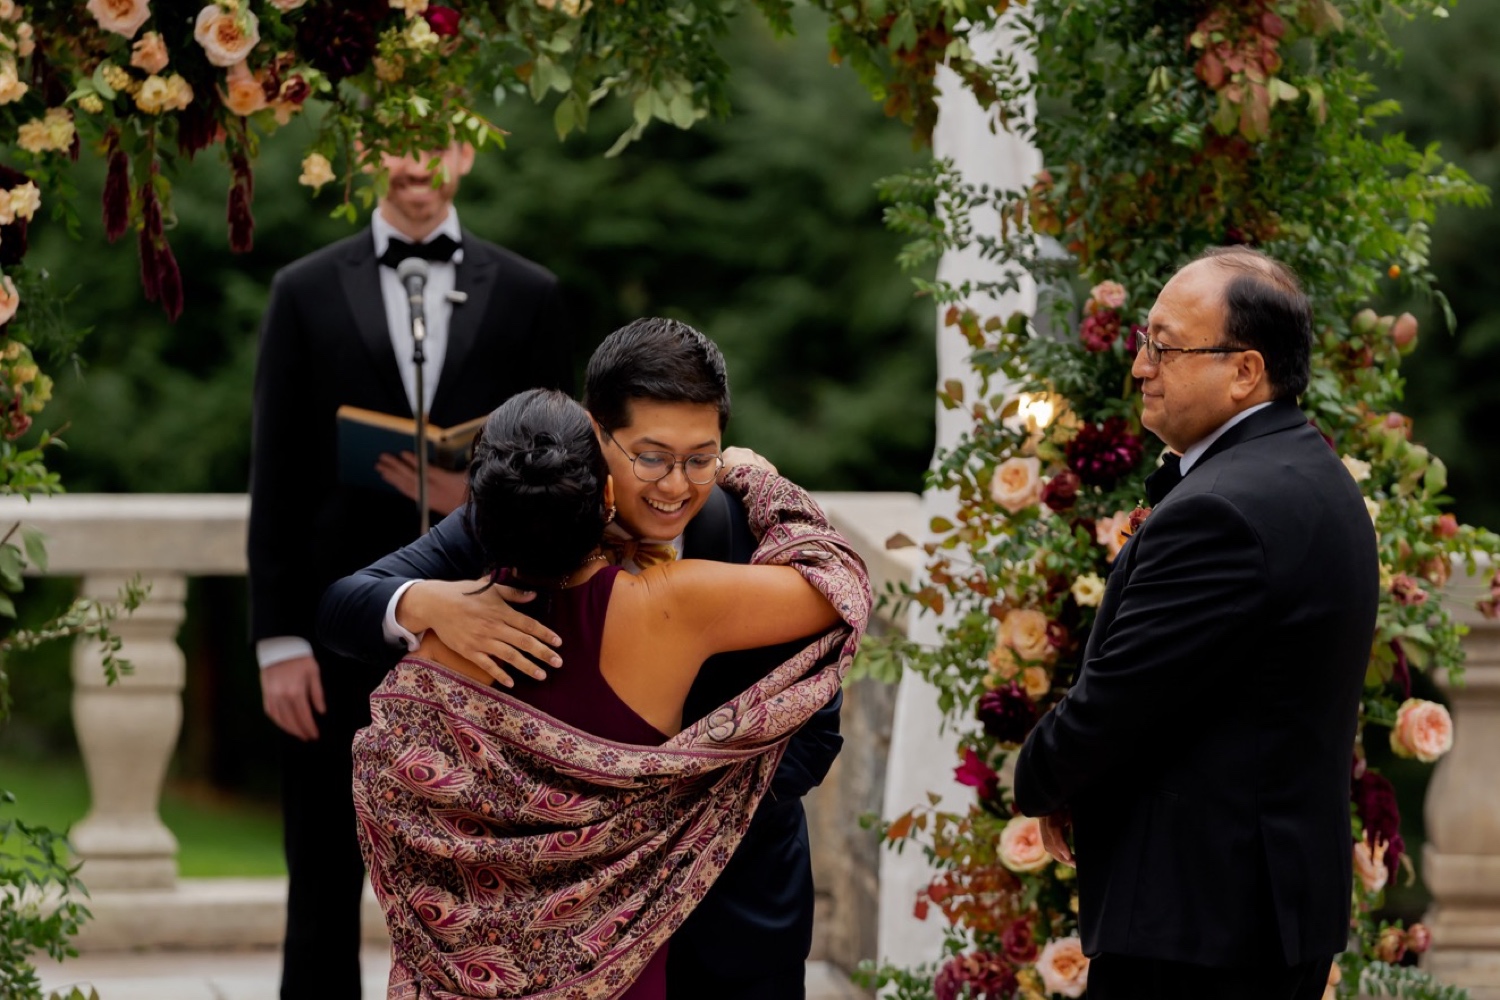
1205, 749
324, 343
757, 920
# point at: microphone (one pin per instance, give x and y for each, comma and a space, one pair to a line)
412, 273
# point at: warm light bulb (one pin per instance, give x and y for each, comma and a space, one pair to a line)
1037, 409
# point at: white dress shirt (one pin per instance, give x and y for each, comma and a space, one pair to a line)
437, 311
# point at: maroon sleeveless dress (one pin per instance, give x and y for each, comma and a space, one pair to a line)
578, 694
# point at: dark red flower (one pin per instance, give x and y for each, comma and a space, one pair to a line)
975, 773
1061, 491
1401, 672
241, 194
986, 975
338, 38
197, 126
1375, 804
1007, 714
294, 89
17, 420
1102, 453
116, 190
442, 20
1020, 947
1099, 330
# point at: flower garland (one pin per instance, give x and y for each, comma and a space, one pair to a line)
1176, 136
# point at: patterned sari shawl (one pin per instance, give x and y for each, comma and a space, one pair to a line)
516, 856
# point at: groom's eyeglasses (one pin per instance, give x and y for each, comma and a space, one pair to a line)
653, 466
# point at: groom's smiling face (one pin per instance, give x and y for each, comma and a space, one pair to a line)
659, 511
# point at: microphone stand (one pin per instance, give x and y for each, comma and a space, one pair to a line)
412, 274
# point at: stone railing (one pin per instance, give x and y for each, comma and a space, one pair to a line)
127, 732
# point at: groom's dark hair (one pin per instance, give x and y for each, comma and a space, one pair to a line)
1266, 310
658, 359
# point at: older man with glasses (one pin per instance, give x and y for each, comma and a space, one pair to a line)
1202, 758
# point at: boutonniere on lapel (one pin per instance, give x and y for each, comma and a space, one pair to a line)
1133, 523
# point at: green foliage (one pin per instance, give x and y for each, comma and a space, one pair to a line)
36, 878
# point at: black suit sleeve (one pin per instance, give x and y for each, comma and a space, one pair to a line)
283, 593
551, 343
1197, 585
351, 616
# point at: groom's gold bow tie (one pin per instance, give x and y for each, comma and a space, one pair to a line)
644, 554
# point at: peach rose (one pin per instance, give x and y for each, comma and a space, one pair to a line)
226, 38
316, 171
1025, 631
1423, 730
1390, 946
123, 17
52, 132
1064, 967
1017, 483
10, 299
1358, 468
8, 10
1021, 847
149, 54
1112, 531
24, 200
1003, 665
1369, 864
1036, 682
179, 93
245, 96
11, 87
25, 40
1088, 590
1418, 938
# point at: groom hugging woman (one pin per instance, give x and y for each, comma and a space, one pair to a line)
619, 674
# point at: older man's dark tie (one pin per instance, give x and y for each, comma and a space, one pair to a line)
440, 248
1163, 480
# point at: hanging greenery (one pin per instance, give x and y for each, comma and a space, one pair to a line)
1163, 129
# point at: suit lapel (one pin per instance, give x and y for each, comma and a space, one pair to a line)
359, 274
475, 280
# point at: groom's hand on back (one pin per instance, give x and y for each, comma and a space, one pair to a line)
478, 622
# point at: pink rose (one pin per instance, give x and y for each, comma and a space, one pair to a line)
1020, 847
1109, 294
1369, 863
1446, 527
286, 5
226, 38
442, 20
1025, 631
149, 54
1017, 483
1423, 730
1112, 531
1406, 590
123, 17
1418, 938
975, 773
246, 95
1063, 967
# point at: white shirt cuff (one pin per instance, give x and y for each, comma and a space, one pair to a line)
395, 634
281, 648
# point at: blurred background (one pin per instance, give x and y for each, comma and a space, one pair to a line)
763, 230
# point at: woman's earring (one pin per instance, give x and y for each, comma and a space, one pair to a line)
609, 515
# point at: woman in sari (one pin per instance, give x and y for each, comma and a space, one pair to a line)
545, 841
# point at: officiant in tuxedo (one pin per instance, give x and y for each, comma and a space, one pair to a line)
336, 331
1204, 752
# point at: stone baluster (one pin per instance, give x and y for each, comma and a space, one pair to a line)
1461, 861
126, 733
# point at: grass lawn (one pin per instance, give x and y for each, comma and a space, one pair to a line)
216, 835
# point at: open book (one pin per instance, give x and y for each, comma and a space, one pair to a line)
365, 435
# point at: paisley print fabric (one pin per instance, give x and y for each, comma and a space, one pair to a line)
516, 856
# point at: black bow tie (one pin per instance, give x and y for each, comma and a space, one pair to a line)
1163, 480
440, 248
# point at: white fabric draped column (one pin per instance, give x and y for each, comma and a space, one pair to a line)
921, 758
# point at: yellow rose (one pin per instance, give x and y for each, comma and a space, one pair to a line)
411, 7
1088, 590
153, 95
11, 87
25, 199
179, 93
54, 132
316, 171
419, 34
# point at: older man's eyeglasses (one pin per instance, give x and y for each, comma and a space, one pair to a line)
1143, 342
701, 468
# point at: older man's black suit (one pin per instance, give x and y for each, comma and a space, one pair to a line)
325, 343
1205, 749
749, 939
